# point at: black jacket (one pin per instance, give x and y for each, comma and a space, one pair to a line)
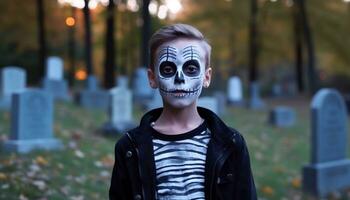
227, 169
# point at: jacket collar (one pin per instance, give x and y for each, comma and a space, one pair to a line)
217, 127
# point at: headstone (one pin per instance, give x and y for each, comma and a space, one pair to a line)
120, 111
92, 83
255, 101
222, 101
141, 88
235, 91
54, 68
32, 122
54, 83
122, 81
329, 170
90, 99
210, 103
156, 101
277, 90
282, 116
13, 80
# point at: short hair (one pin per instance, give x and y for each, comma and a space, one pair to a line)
174, 32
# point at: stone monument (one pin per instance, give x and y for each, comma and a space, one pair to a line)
12, 80
54, 82
120, 111
32, 122
329, 170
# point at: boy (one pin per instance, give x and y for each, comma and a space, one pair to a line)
181, 151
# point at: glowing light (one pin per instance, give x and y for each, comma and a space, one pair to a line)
347, 1
174, 6
93, 4
273, 0
132, 5
80, 75
70, 21
162, 12
153, 7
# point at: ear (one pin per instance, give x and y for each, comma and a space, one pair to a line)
152, 78
207, 77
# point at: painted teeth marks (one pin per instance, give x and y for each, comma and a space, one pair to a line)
180, 93
166, 53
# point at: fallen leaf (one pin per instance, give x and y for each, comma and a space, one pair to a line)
108, 161
2, 176
41, 160
296, 182
267, 190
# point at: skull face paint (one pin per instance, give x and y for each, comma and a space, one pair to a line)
180, 72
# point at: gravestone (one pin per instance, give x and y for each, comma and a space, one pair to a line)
93, 97
282, 116
222, 101
122, 81
255, 102
329, 170
210, 103
54, 83
32, 122
13, 80
91, 83
235, 91
141, 88
156, 101
120, 111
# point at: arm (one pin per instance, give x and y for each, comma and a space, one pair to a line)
245, 186
119, 181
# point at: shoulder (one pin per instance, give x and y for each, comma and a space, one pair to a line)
237, 139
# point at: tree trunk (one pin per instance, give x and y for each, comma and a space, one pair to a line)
109, 76
41, 37
146, 32
253, 50
298, 38
88, 42
71, 48
312, 76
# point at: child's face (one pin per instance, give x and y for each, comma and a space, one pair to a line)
180, 72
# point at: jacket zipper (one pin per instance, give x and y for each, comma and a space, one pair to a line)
213, 174
138, 164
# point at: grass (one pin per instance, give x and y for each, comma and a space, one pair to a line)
82, 170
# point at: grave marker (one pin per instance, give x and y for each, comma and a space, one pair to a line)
32, 122
329, 170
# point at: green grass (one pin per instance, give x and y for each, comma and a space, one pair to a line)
82, 170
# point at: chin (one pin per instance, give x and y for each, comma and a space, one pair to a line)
180, 103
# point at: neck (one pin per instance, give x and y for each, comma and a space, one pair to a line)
178, 120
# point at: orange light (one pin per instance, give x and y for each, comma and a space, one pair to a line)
70, 21
80, 75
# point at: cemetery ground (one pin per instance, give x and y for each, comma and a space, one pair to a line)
82, 169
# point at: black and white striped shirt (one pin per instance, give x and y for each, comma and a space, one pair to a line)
180, 163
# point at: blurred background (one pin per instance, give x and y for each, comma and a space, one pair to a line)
295, 41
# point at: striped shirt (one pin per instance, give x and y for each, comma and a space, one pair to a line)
180, 163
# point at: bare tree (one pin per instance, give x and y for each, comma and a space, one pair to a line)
109, 70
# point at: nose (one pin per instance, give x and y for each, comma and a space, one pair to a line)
179, 78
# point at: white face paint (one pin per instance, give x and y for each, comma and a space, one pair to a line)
180, 69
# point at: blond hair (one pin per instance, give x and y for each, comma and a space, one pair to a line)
177, 31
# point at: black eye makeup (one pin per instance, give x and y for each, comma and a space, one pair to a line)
167, 69
191, 68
